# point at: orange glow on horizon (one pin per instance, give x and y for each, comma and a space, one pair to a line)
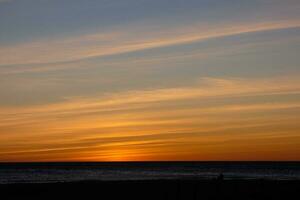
150, 125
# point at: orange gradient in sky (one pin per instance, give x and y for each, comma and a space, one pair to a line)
214, 119
149, 80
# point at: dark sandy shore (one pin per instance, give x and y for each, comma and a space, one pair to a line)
156, 190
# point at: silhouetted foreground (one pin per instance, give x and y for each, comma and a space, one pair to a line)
156, 190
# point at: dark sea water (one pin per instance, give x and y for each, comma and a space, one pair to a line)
69, 172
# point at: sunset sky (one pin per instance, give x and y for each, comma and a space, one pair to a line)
149, 80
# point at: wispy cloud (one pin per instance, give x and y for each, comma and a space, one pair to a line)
205, 88
139, 124
121, 41
130, 81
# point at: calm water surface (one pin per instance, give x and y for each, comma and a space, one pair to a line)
68, 172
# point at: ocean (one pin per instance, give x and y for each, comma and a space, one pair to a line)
116, 171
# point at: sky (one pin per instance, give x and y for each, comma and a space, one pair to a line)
149, 80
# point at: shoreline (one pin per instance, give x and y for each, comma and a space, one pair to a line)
152, 179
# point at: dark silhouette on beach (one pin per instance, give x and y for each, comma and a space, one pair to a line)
177, 188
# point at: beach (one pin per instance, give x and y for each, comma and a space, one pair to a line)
155, 190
